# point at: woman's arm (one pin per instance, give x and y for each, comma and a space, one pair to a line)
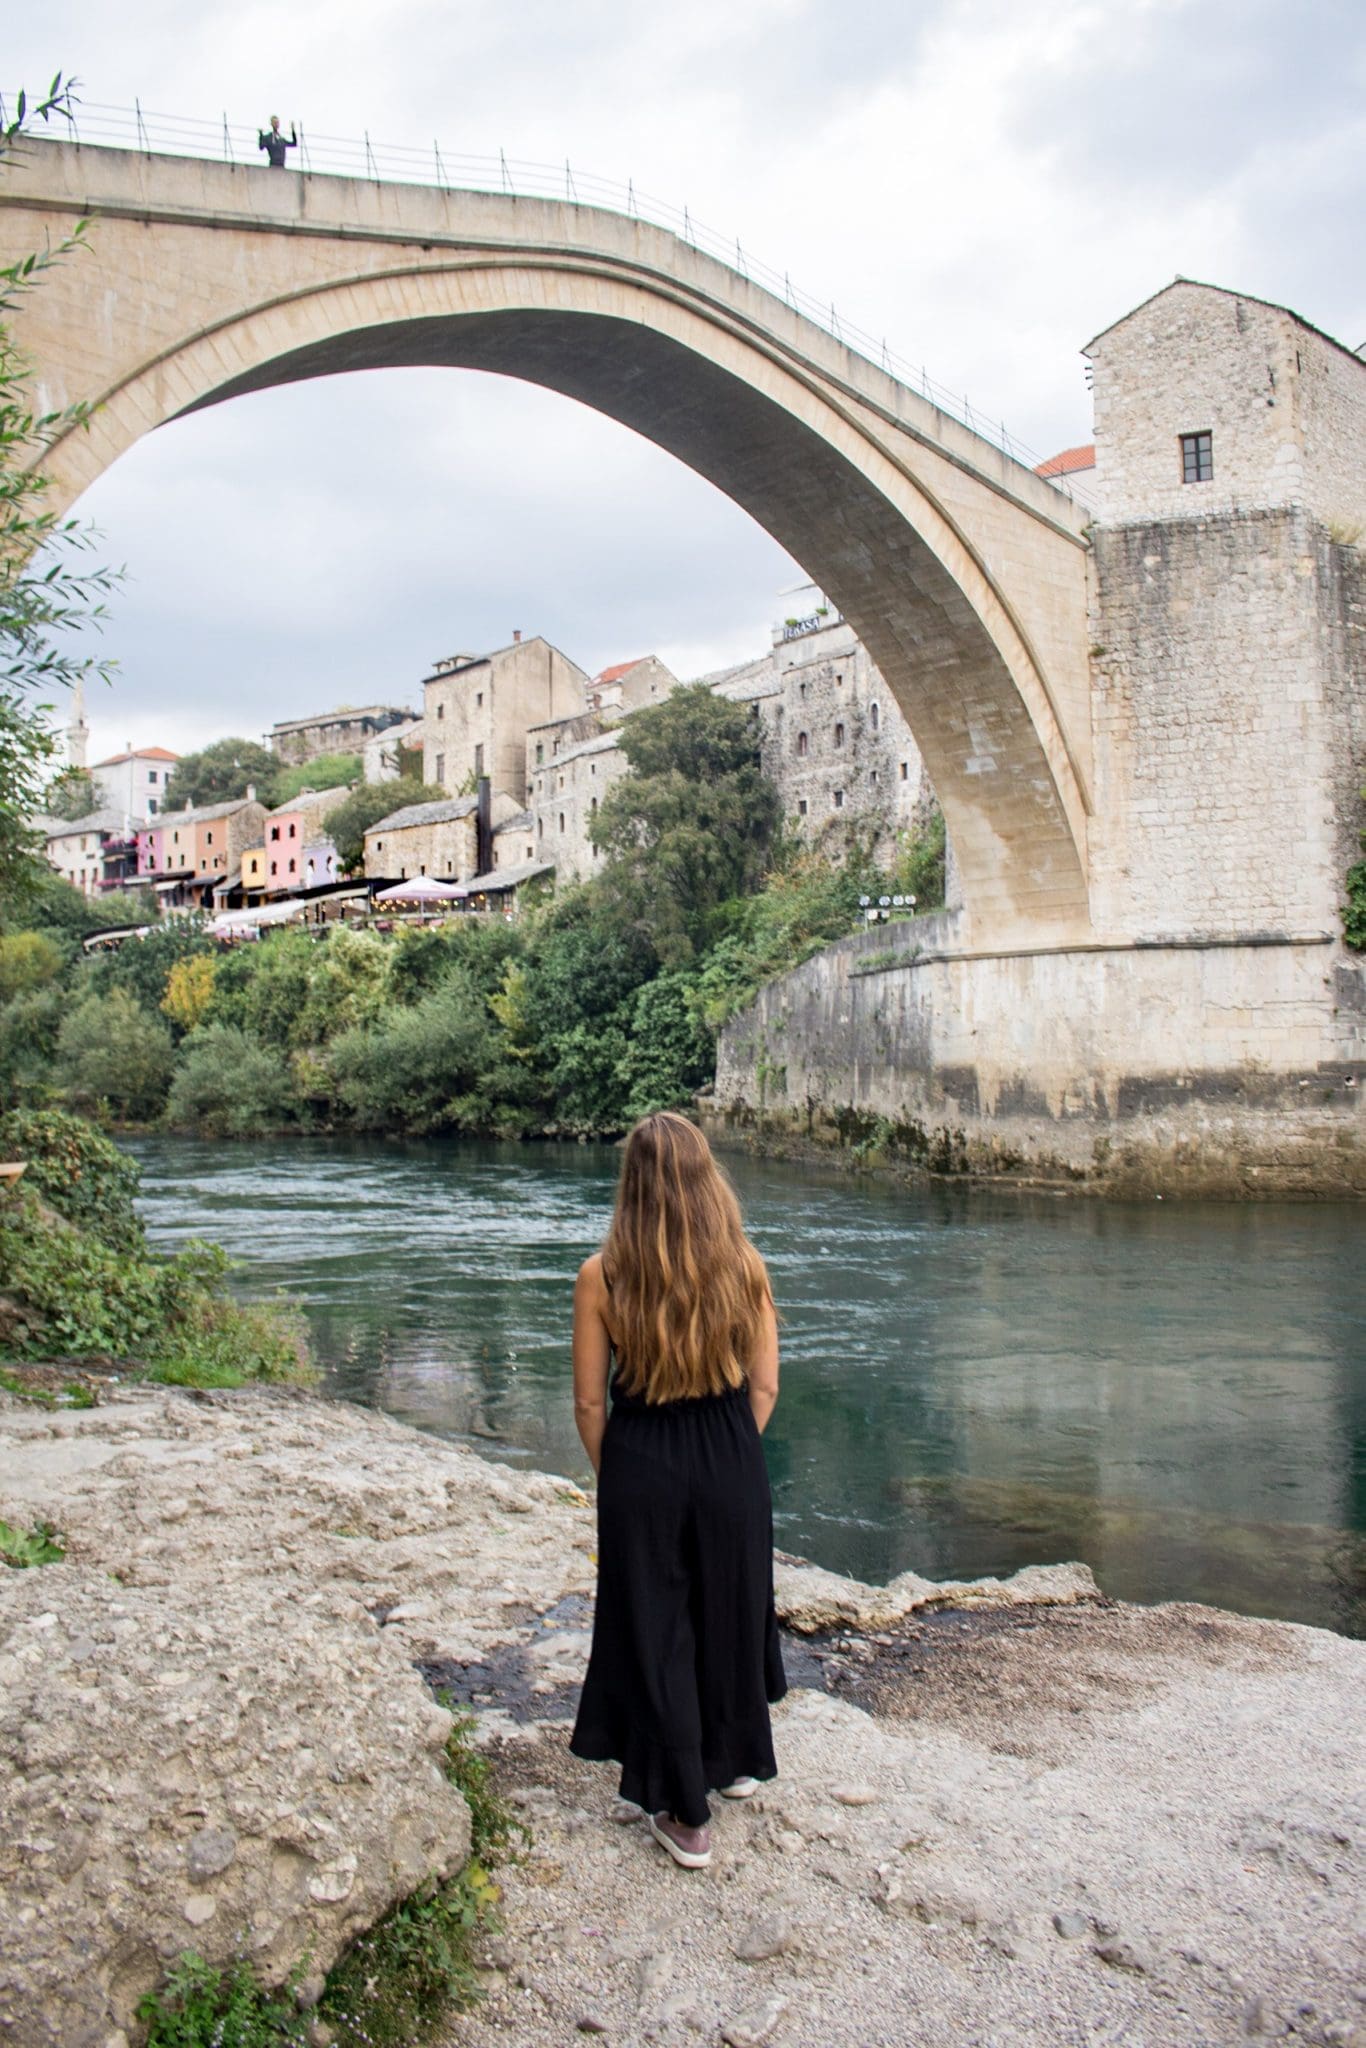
592, 1356
763, 1371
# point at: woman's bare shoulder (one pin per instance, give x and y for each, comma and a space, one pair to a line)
590, 1274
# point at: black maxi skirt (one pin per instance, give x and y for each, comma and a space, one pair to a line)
685, 1657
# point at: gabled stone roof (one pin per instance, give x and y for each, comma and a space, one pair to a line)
441, 811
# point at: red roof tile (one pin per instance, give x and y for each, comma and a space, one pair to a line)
1070, 460
139, 754
614, 675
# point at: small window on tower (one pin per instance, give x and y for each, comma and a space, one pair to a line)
440, 766
839, 799
874, 716
1197, 458
801, 806
905, 771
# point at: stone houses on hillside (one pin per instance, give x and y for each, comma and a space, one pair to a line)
185, 855
95, 853
134, 782
440, 839
347, 730
833, 739
295, 850
478, 708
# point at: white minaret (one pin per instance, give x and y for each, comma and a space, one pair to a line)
77, 732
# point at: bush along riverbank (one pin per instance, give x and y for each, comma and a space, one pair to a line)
77, 1280
589, 1010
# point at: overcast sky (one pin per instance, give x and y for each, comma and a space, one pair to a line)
987, 182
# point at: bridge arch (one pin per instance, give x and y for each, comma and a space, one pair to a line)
964, 576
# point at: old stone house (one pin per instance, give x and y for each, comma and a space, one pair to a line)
478, 709
440, 839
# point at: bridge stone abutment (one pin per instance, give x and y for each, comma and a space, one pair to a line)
963, 573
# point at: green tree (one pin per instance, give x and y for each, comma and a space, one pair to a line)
46, 595
28, 960
669, 1052
219, 772
143, 966
229, 1085
422, 1068
349, 823
113, 1056
327, 771
692, 824
72, 794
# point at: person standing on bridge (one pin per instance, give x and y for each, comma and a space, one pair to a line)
275, 144
685, 1659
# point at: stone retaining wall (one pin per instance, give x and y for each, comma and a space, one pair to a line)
1223, 1067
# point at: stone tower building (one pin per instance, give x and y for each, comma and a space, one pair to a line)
1228, 619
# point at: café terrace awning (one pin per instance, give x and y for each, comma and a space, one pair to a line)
499, 880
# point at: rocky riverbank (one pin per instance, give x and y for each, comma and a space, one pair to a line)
1007, 1814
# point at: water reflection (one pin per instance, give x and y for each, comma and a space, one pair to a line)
1174, 1392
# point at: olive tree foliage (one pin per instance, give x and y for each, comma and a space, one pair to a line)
47, 593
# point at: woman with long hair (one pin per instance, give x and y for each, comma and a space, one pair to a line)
685, 1656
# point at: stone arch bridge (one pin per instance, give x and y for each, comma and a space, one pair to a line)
963, 573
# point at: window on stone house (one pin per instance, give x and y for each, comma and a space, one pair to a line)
531, 853
293, 867
592, 803
802, 743
839, 799
208, 839
440, 768
561, 821
540, 752
441, 711
905, 771
151, 774
801, 691
479, 701
872, 775
874, 716
839, 735
274, 832
1197, 458
562, 782
801, 806
540, 827
479, 759
293, 831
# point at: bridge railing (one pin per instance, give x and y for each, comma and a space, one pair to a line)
225, 141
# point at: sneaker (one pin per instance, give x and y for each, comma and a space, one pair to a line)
689, 1846
743, 1788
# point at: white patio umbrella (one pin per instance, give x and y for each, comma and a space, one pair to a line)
418, 889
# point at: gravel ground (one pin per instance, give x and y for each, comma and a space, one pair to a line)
1034, 1828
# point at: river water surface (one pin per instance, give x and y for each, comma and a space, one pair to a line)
1174, 1393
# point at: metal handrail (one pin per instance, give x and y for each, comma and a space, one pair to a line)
154, 134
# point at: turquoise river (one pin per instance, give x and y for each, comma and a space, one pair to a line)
1173, 1392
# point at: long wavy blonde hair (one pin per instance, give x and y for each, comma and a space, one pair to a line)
687, 1287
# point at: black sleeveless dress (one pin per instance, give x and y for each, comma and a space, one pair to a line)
685, 1657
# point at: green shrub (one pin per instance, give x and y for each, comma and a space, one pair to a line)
142, 967
28, 1046
200, 2007
75, 1296
83, 1174
669, 1053
24, 1548
421, 1069
228, 1085
324, 771
111, 1055
1354, 910
919, 867
28, 960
